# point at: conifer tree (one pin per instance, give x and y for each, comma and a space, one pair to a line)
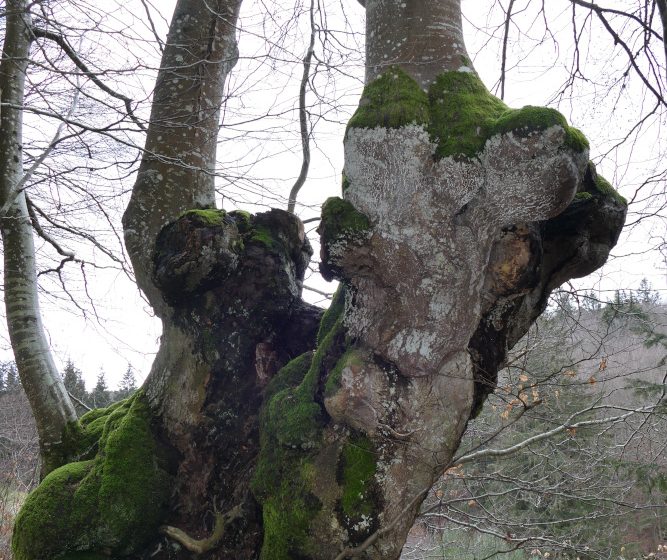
73, 379
128, 384
100, 396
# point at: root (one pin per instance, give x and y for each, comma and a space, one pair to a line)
199, 546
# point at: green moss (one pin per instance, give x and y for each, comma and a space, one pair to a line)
358, 467
333, 315
350, 358
459, 112
392, 100
290, 375
208, 216
345, 183
583, 196
287, 530
242, 219
262, 236
576, 139
463, 114
523, 122
291, 424
605, 188
113, 502
341, 220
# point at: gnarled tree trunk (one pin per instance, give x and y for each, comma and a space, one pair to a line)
318, 438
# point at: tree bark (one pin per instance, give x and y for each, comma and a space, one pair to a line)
46, 392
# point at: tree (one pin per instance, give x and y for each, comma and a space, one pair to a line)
309, 438
12, 382
76, 387
51, 406
100, 395
128, 384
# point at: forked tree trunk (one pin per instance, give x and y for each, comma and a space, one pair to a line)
320, 442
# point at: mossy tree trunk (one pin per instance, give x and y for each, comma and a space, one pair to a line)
318, 437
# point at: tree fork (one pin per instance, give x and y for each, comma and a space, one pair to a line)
459, 215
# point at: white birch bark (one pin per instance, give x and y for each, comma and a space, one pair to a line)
46, 392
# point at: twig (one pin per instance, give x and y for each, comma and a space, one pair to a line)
80, 403
69, 51
503, 64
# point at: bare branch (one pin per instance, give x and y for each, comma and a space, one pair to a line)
71, 53
303, 115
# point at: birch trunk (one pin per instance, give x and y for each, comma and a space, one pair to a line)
46, 392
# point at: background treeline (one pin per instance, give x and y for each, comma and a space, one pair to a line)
568, 458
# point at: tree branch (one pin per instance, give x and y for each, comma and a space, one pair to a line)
567, 425
71, 53
303, 115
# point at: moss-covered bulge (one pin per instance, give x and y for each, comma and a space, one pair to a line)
458, 111
111, 501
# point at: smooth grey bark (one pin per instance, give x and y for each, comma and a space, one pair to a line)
46, 392
423, 38
177, 171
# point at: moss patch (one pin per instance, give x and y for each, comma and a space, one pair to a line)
342, 219
291, 423
341, 223
332, 315
359, 500
262, 236
605, 188
459, 112
463, 114
112, 502
392, 100
207, 216
332, 384
358, 467
525, 121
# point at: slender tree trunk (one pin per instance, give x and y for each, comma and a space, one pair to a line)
46, 392
177, 171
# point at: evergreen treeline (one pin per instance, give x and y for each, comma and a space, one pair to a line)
98, 397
